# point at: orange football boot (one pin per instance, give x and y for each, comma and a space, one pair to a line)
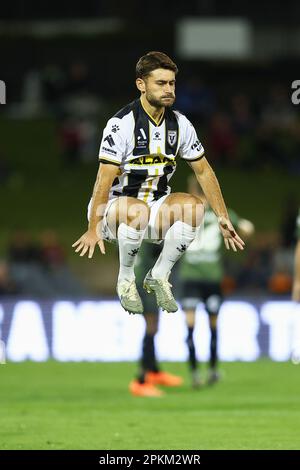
163, 378
144, 389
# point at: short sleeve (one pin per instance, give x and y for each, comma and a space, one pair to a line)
113, 143
191, 148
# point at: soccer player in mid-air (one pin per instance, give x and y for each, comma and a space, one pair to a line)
131, 198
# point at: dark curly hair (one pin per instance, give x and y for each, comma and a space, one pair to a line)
152, 61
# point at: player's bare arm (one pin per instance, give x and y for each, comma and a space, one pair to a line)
211, 188
87, 242
296, 284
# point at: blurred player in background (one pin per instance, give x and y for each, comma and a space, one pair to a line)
296, 284
150, 374
200, 273
138, 154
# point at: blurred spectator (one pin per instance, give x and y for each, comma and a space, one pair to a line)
287, 227
25, 266
296, 271
31, 95
196, 100
78, 140
89, 133
5, 169
256, 268
79, 79
52, 253
56, 270
242, 117
283, 257
70, 141
275, 129
80, 100
279, 112
22, 250
280, 283
54, 82
7, 286
222, 139
41, 270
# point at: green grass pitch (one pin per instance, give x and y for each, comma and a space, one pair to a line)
87, 406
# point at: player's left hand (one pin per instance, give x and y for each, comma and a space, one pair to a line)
231, 238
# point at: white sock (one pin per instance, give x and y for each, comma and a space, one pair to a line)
129, 240
178, 238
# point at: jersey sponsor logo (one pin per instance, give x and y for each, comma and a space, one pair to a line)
157, 136
110, 140
143, 134
111, 151
115, 128
141, 139
172, 137
151, 160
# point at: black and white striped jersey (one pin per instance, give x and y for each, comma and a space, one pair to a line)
146, 150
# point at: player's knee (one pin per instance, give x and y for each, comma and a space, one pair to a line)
193, 211
138, 214
133, 212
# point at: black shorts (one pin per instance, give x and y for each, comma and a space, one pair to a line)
193, 292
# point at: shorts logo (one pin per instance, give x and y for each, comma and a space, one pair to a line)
172, 137
109, 140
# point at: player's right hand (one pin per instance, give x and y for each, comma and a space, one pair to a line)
87, 242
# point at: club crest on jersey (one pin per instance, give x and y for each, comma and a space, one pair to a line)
172, 138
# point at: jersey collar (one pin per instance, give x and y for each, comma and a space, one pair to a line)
154, 122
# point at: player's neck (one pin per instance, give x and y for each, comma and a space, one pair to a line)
155, 113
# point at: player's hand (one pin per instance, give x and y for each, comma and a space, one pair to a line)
231, 238
296, 291
87, 243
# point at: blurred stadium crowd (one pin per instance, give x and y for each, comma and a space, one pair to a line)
241, 129
37, 268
